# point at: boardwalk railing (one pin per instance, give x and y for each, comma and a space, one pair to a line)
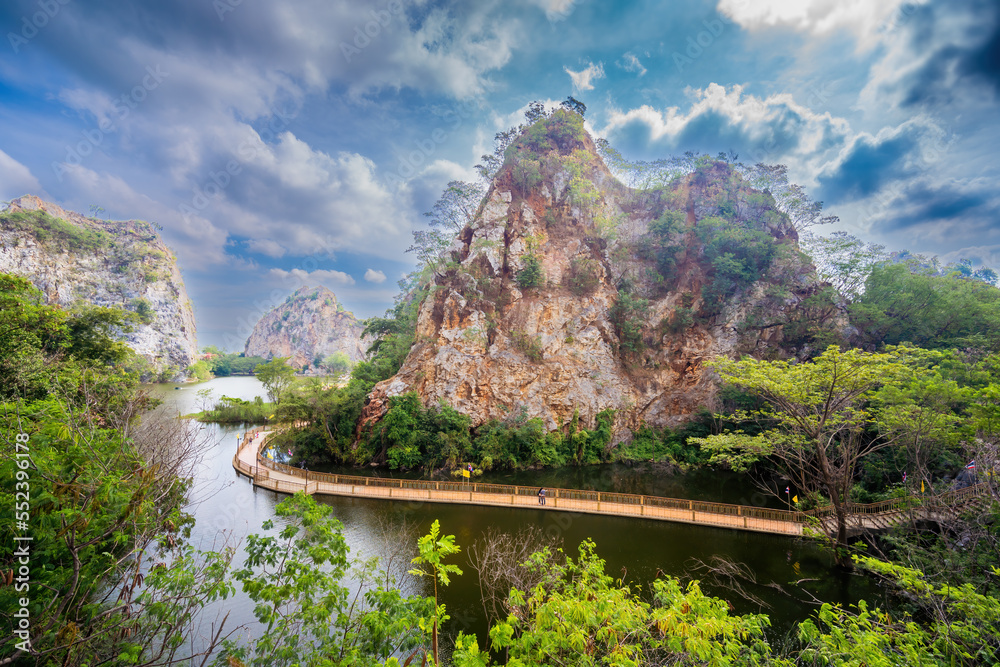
287, 479
926, 503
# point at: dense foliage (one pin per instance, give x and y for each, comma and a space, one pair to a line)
222, 364
909, 303
97, 493
579, 615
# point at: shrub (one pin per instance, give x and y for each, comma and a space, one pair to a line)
515, 442
738, 256
236, 411
56, 233
679, 320
665, 241
584, 275
527, 174
531, 275
628, 315
530, 346
143, 309
199, 370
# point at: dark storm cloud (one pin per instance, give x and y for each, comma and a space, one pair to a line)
956, 205
869, 163
958, 47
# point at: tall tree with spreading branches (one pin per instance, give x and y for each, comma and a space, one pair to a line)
816, 417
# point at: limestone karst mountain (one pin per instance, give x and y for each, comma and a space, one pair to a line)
74, 258
308, 327
572, 293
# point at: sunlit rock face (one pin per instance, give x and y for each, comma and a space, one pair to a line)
75, 259
309, 326
492, 342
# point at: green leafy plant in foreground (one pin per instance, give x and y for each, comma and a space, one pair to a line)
309, 617
433, 549
580, 615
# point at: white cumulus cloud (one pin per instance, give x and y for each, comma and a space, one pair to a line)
16, 179
582, 79
866, 19
373, 276
769, 129
300, 277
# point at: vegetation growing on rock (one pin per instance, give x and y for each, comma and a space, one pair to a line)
78, 260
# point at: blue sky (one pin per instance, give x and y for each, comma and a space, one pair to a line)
300, 141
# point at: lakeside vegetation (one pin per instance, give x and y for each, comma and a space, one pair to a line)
113, 579
896, 300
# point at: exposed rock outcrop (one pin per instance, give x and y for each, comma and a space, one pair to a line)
309, 325
74, 258
570, 292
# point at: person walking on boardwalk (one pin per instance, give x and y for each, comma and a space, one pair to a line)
541, 496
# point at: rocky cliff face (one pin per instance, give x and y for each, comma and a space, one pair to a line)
570, 292
310, 324
73, 258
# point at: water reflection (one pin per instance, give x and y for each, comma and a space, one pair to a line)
636, 549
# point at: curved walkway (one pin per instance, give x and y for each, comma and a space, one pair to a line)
286, 479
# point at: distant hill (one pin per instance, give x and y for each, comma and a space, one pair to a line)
308, 327
73, 258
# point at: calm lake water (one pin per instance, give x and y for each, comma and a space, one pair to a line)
227, 506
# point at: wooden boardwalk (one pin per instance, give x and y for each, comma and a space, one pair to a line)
286, 479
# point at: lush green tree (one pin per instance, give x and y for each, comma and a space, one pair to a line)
909, 303
737, 255
105, 494
96, 333
816, 414
276, 376
964, 269
295, 575
36, 339
532, 274
200, 370
30, 333
579, 615
574, 105
628, 314
925, 413
958, 626
338, 362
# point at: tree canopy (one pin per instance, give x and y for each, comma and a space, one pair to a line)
276, 376
815, 416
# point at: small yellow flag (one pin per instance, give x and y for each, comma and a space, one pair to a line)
465, 474
921, 486
795, 499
